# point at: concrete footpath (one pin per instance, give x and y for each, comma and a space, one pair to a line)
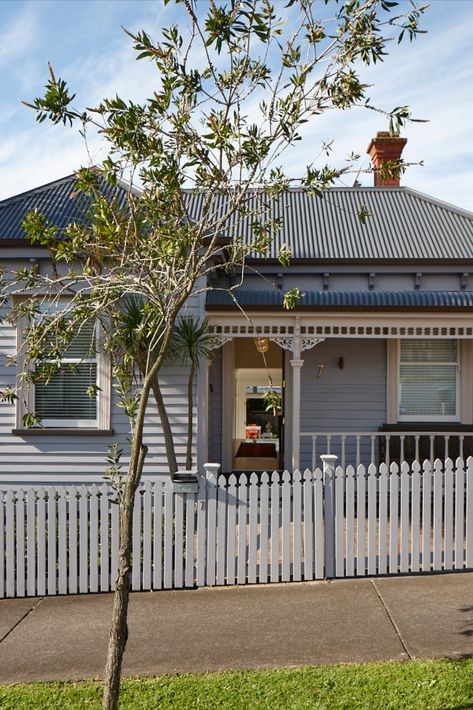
55, 638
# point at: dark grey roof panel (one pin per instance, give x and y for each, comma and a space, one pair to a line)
58, 201
346, 299
404, 224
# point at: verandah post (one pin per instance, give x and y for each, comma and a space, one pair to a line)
329, 463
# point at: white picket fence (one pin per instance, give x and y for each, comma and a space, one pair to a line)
332, 523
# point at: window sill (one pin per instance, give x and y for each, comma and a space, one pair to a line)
62, 431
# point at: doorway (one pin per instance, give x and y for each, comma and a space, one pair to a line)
257, 437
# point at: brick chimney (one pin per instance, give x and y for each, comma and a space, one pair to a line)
385, 148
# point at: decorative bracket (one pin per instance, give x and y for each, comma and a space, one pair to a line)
218, 341
306, 343
309, 343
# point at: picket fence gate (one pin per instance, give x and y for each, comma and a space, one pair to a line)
326, 523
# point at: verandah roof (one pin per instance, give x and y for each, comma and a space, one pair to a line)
353, 300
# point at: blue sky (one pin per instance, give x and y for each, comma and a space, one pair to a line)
85, 43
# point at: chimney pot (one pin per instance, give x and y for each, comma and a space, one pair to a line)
385, 148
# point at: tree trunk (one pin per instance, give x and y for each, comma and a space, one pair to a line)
119, 628
167, 432
190, 407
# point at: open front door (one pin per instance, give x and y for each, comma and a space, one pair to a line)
257, 418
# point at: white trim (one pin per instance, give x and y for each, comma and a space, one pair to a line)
335, 324
245, 376
466, 374
202, 413
394, 359
227, 405
26, 400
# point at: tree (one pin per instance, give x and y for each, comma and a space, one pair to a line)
234, 88
135, 342
193, 339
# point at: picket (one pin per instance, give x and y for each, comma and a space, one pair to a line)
189, 553
286, 526
10, 543
93, 539
372, 547
221, 528
383, 520
448, 516
437, 520
275, 514
147, 535
426, 515
318, 525
350, 522
168, 534
178, 540
62, 536
30, 545
296, 531
157, 535
20, 544
459, 513
264, 522
308, 527
360, 518
114, 545
104, 539
403, 519
72, 540
393, 516
253, 522
242, 517
469, 513
339, 522
231, 530
52, 541
83, 540
415, 518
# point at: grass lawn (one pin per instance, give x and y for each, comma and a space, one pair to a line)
419, 685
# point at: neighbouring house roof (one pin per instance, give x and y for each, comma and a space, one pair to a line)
403, 225
58, 201
350, 300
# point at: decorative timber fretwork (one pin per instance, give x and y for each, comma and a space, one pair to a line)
282, 333
306, 343
218, 342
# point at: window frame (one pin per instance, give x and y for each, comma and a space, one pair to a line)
26, 400
464, 385
432, 363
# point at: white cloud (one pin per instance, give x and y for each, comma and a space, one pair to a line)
19, 36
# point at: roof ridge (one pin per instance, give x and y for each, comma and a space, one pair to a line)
41, 188
439, 203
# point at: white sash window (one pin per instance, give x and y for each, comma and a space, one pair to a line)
429, 380
64, 401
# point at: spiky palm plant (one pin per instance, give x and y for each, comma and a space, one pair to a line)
192, 341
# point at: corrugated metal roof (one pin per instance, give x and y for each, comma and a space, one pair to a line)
58, 201
404, 225
345, 299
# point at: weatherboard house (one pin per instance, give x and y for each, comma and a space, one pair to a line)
375, 363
